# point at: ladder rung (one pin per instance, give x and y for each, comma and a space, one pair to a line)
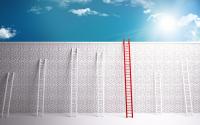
129, 107
129, 104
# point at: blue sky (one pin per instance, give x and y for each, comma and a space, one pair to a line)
99, 20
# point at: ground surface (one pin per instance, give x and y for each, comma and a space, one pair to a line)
107, 119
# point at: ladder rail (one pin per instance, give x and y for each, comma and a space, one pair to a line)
125, 77
73, 81
44, 80
130, 76
100, 83
38, 89
10, 96
5, 93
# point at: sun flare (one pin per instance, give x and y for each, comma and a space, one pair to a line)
167, 24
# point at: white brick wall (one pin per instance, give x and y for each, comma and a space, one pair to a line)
22, 58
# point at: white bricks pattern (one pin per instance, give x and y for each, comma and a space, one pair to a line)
22, 58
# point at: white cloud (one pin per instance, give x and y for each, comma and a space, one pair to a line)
48, 8
194, 34
35, 10
188, 25
83, 12
155, 17
147, 11
114, 1
39, 10
197, 21
65, 3
146, 4
81, 1
183, 21
7, 33
107, 1
186, 20
87, 11
103, 14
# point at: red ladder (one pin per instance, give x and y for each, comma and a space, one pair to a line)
128, 79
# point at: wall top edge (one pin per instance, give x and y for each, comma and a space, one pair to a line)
117, 42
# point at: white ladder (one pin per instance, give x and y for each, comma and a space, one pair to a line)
158, 92
8, 92
41, 86
186, 87
100, 83
74, 82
